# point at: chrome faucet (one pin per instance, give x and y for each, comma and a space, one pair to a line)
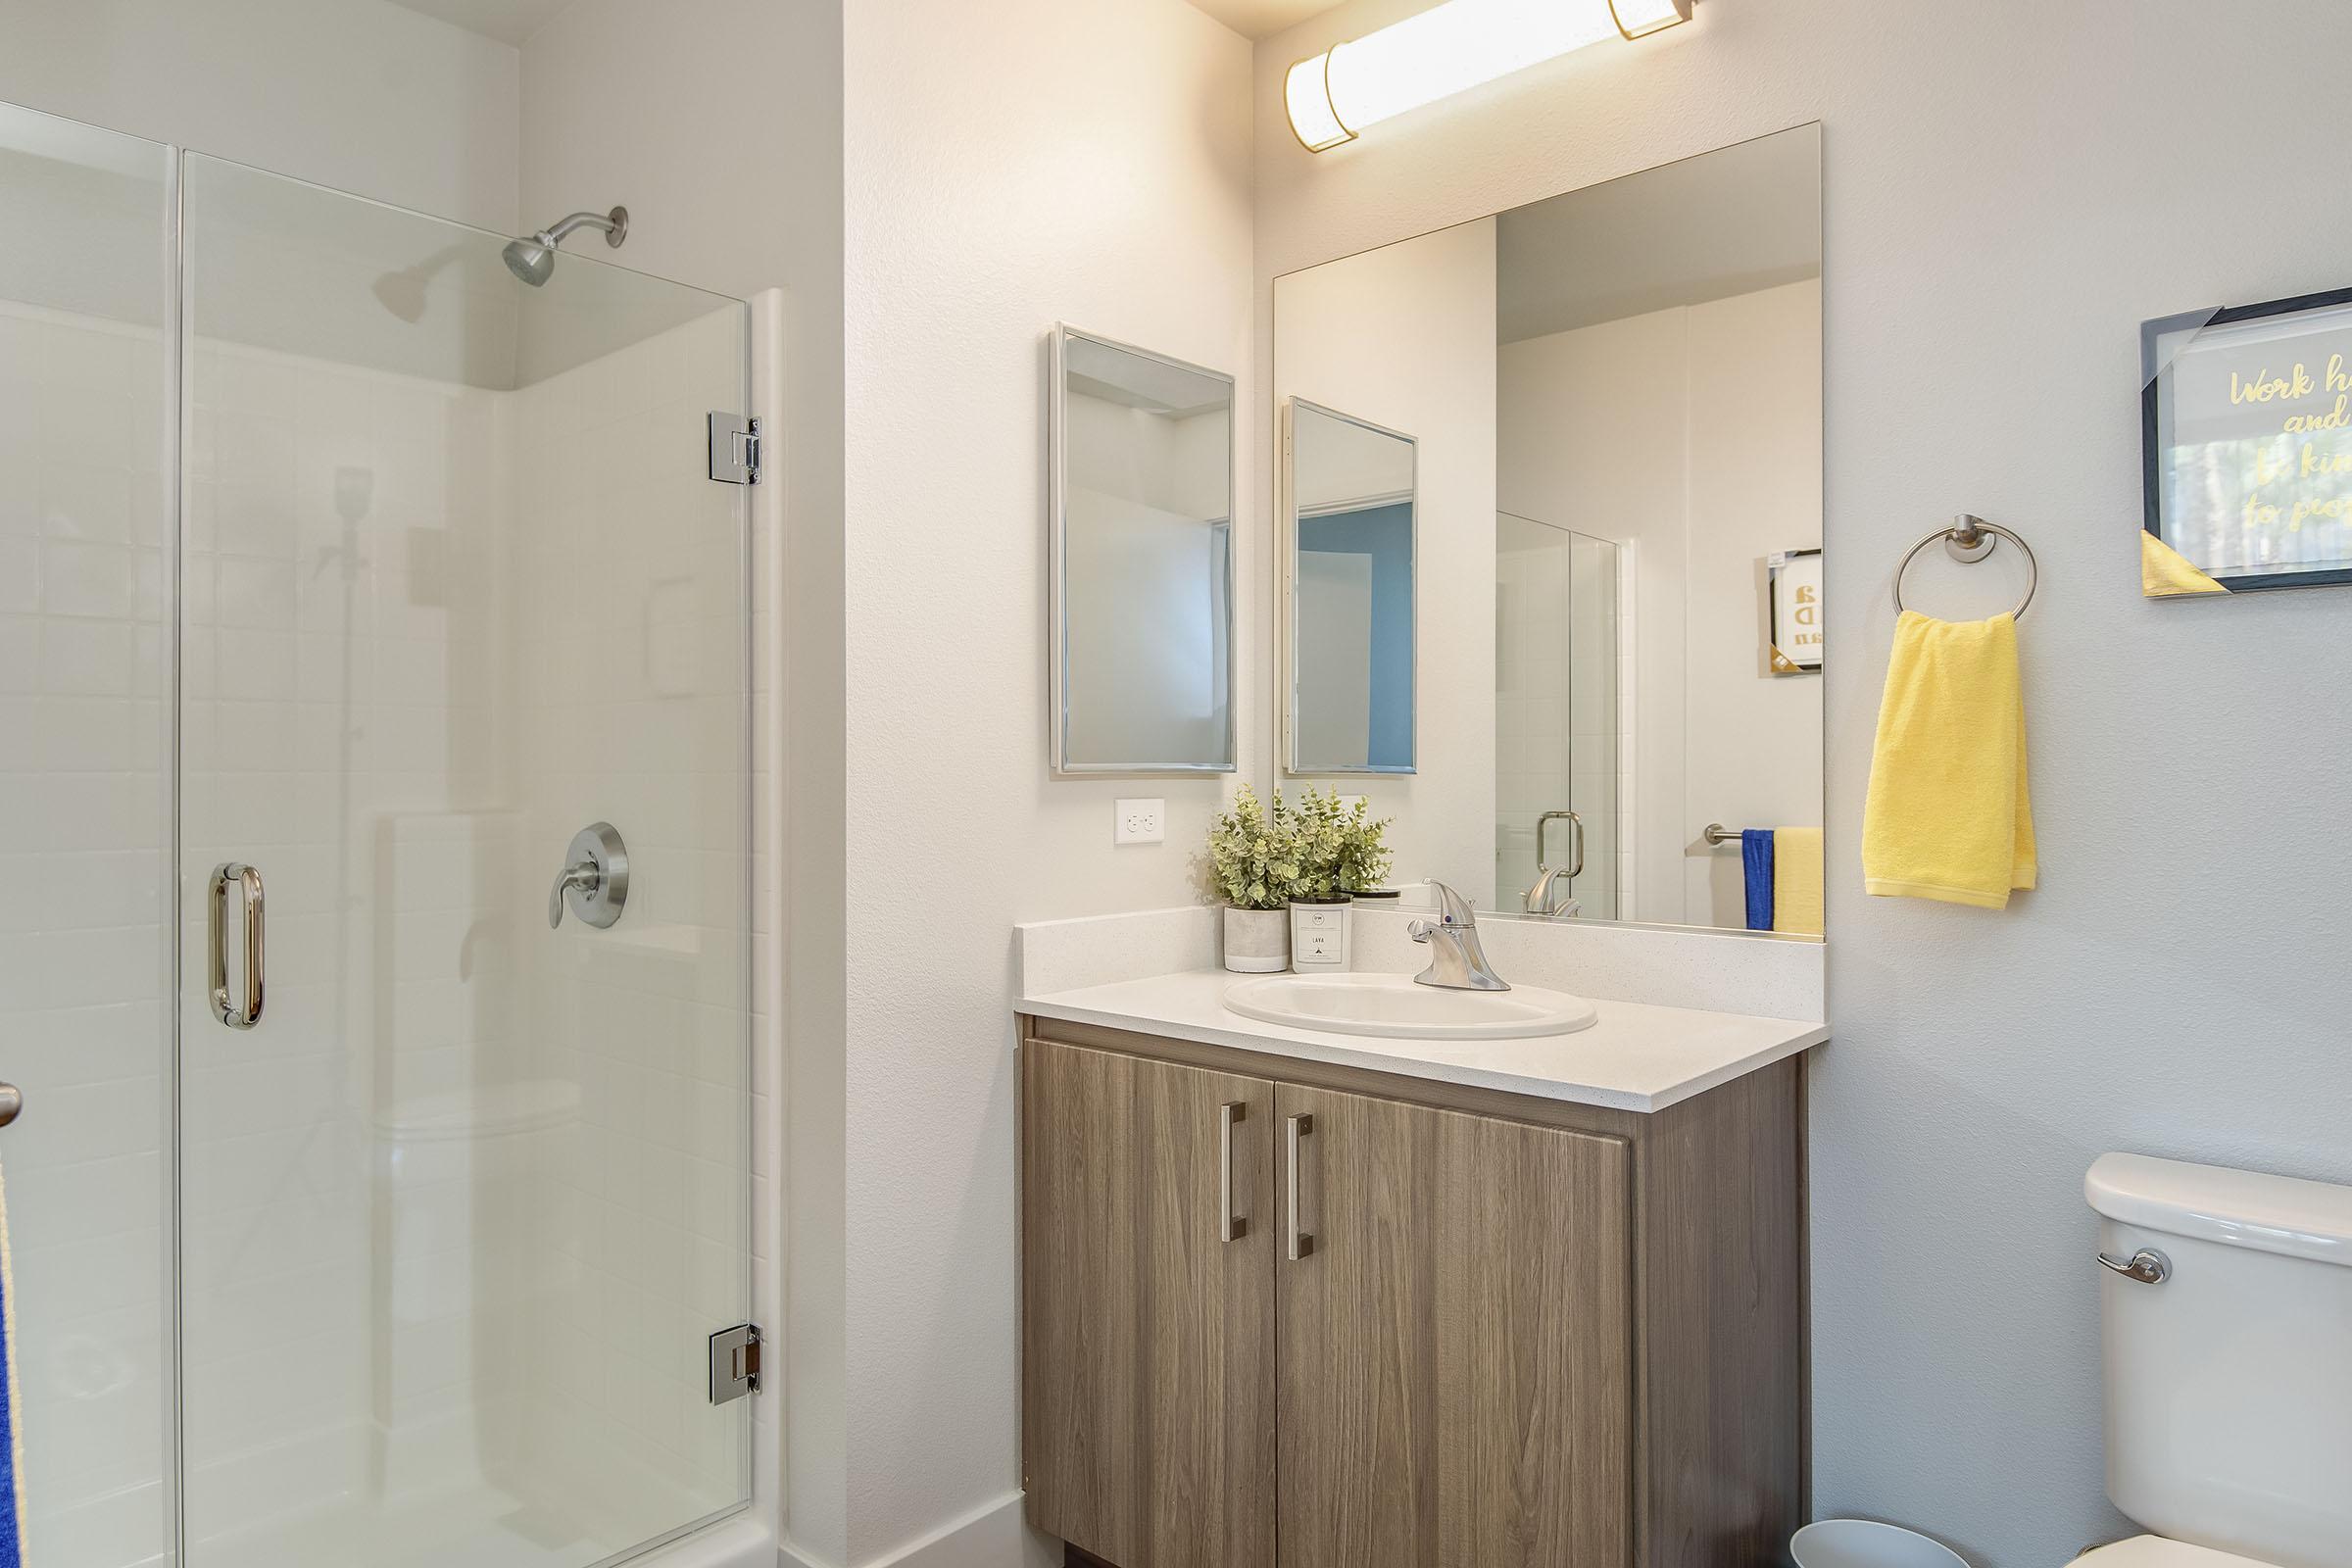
1456, 959
1538, 896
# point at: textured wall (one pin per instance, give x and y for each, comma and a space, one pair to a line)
2010, 189
1009, 166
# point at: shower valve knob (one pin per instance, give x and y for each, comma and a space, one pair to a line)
594, 883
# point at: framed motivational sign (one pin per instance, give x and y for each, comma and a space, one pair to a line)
2246, 435
1793, 644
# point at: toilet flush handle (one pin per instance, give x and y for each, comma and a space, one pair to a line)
2147, 1266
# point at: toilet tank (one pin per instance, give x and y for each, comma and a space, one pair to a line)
2228, 1386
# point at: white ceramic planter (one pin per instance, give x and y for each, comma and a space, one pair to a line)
1257, 941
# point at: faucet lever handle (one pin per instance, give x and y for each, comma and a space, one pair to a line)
585, 876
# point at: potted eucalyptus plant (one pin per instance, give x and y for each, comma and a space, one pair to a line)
1253, 866
1262, 861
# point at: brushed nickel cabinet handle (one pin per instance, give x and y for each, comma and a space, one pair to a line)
224, 1007
12, 1104
1301, 1243
1231, 1227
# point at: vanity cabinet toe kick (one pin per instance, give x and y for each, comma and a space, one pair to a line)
1279, 1311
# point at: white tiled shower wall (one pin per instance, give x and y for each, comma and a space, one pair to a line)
474, 1183
83, 946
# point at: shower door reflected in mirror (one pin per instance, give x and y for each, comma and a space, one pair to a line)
462, 1208
1559, 680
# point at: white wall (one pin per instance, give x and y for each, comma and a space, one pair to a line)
358, 94
2010, 190
1694, 435
1751, 752
1007, 167
1427, 369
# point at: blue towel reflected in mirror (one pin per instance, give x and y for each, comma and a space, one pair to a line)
1755, 861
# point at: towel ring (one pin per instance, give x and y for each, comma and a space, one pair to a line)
1971, 539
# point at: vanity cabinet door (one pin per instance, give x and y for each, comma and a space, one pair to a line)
1455, 1357
1147, 1228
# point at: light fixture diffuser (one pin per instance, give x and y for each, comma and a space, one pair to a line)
1444, 50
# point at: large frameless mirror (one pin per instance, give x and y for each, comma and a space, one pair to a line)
1601, 696
1142, 561
1347, 593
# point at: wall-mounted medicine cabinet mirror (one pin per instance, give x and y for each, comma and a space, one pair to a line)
1141, 503
1581, 442
1346, 558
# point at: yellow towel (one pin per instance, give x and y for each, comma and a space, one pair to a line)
1796, 880
1948, 815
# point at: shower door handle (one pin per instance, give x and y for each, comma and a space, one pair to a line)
249, 882
1576, 824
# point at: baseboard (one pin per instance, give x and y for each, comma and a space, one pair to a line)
992, 1535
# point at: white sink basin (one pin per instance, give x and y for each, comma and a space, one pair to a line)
1393, 1005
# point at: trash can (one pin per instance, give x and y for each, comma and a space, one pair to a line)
1866, 1543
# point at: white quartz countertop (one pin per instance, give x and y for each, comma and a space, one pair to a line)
1637, 1056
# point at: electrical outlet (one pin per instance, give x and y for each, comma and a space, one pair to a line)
1138, 822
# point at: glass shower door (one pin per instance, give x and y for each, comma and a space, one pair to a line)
85, 761
464, 1175
1558, 675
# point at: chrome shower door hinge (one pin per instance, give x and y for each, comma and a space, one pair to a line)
734, 449
734, 1363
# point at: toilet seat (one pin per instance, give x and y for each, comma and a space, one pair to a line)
2155, 1551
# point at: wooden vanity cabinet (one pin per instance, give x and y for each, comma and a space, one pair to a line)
1455, 1380
1151, 1442
1509, 1333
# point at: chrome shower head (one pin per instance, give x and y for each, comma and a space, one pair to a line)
529, 259
533, 259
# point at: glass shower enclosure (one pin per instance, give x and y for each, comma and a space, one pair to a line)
373, 1202
1559, 744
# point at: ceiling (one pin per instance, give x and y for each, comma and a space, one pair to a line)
506, 21
1262, 19
1730, 221
514, 21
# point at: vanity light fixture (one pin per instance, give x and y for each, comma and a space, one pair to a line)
1446, 49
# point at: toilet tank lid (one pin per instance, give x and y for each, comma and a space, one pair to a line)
2214, 1203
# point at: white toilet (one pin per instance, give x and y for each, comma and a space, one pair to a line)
2227, 1316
